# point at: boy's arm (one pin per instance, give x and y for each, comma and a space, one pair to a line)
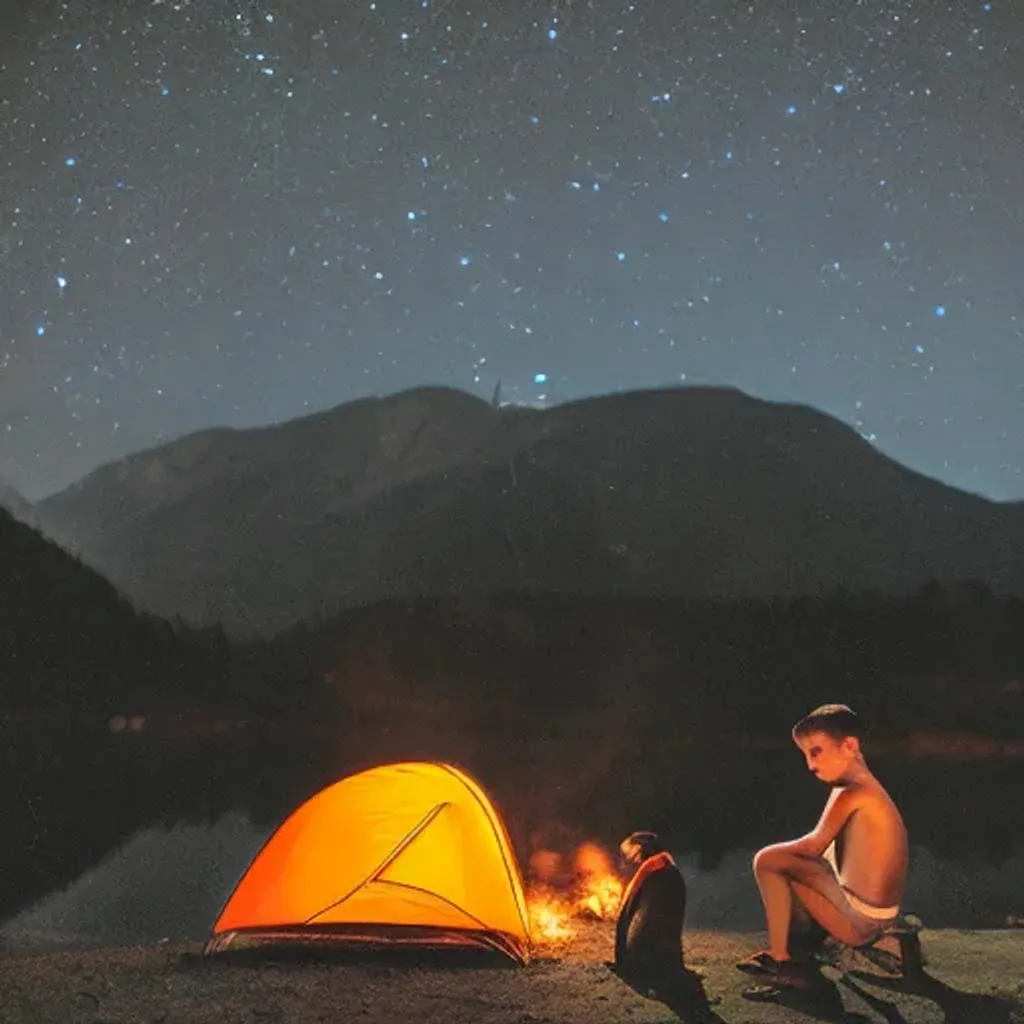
838, 808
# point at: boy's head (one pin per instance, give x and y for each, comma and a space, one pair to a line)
830, 740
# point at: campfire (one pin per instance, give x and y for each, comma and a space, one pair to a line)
560, 893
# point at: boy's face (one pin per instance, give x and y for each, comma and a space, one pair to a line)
826, 758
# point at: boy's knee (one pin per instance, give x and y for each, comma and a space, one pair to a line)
764, 860
780, 861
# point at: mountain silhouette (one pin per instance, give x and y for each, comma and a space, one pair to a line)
694, 492
80, 671
69, 641
13, 501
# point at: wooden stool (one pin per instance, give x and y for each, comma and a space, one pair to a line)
906, 930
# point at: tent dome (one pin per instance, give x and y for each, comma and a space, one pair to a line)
403, 854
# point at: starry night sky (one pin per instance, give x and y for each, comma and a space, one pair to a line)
219, 212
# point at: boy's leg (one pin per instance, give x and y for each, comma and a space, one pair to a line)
807, 938
771, 872
780, 876
827, 904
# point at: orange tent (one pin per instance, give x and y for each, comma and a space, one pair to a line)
404, 854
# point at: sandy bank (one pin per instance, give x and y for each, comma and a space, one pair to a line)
972, 978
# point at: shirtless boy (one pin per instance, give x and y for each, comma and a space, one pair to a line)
853, 893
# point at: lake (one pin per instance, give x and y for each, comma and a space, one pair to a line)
965, 823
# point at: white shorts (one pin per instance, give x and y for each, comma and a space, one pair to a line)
867, 918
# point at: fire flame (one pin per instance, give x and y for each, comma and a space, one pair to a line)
602, 898
555, 896
600, 889
550, 918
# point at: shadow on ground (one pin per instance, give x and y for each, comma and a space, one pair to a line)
957, 1007
683, 994
887, 999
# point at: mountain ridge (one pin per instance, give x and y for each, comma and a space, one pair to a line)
693, 491
14, 502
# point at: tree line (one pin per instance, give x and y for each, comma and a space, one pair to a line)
946, 656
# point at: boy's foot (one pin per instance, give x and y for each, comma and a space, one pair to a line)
757, 963
783, 973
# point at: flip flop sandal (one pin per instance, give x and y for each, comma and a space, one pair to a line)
776, 974
761, 962
762, 993
774, 985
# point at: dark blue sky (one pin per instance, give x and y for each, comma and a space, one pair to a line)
233, 213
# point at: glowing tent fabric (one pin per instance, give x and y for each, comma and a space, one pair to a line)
402, 854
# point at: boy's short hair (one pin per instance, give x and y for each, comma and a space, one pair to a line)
837, 721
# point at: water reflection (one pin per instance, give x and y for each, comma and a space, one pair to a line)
118, 839
169, 884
